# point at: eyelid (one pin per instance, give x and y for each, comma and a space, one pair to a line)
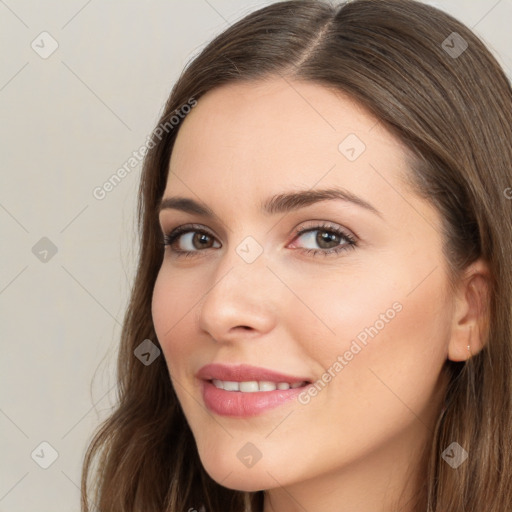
174, 226
187, 228
325, 224
309, 224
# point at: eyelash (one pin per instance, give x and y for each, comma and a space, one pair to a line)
173, 236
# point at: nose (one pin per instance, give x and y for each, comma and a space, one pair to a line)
241, 300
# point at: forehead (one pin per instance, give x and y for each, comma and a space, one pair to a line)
248, 140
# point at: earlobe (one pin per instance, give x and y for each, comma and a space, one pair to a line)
463, 345
470, 326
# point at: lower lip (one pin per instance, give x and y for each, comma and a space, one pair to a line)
242, 405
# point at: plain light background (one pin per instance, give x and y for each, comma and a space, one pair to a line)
68, 122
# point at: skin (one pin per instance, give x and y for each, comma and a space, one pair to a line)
357, 444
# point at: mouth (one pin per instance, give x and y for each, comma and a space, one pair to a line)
253, 386
244, 390
243, 373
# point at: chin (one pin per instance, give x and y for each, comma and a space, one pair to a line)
234, 475
248, 484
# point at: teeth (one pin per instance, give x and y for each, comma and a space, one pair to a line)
253, 385
249, 387
267, 386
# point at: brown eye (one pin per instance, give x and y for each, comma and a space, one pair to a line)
185, 240
201, 240
325, 240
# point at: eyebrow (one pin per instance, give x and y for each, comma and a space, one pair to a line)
280, 203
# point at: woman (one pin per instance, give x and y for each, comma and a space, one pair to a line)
321, 315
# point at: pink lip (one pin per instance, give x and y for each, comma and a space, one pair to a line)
244, 372
238, 404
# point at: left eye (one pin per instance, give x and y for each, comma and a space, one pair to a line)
329, 239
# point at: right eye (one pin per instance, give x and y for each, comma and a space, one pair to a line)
187, 240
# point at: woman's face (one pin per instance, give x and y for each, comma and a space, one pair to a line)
357, 305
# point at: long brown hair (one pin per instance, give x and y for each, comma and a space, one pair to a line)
451, 106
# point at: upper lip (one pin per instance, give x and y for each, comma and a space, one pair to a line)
244, 373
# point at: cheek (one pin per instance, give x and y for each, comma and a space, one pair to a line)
393, 349
378, 304
172, 309
378, 337
335, 308
174, 298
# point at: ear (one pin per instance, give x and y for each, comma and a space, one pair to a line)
471, 312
